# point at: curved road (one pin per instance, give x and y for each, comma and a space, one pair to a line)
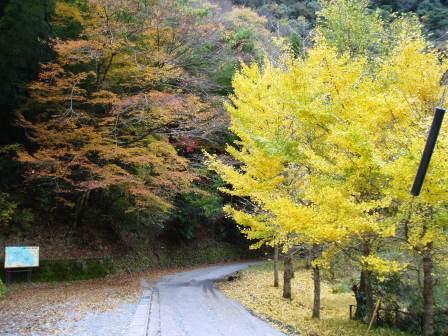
188, 304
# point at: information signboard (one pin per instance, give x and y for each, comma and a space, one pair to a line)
21, 256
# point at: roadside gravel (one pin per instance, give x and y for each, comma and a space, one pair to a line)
83, 308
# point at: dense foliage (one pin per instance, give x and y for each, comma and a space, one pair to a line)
295, 19
24, 27
106, 108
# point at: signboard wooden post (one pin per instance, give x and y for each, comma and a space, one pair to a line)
20, 259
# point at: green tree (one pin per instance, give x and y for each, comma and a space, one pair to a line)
24, 31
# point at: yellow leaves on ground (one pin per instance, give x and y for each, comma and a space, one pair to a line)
255, 291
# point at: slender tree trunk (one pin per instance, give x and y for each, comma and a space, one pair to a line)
316, 303
308, 259
287, 276
316, 251
276, 253
365, 304
80, 208
428, 299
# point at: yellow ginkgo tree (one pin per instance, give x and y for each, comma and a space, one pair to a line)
330, 140
328, 145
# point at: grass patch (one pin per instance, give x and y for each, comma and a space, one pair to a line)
2, 289
256, 292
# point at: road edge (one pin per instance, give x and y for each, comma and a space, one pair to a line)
140, 320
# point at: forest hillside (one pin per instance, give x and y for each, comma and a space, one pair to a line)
107, 106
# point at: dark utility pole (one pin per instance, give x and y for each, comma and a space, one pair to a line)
429, 149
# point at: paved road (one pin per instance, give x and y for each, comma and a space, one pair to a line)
187, 304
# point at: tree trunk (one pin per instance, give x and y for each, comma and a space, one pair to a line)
308, 259
370, 303
365, 304
316, 303
364, 297
287, 276
81, 206
276, 253
428, 299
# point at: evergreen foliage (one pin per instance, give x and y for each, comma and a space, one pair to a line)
24, 31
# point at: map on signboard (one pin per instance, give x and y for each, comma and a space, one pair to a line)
21, 256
